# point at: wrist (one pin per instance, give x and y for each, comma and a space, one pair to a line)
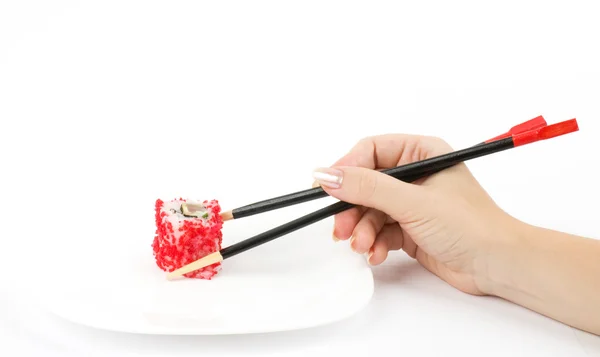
547, 271
505, 258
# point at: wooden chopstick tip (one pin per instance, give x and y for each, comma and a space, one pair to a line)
203, 262
227, 215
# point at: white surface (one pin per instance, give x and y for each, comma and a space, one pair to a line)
304, 280
95, 95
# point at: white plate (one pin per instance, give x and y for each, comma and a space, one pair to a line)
298, 281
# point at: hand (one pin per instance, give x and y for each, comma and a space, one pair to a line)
447, 222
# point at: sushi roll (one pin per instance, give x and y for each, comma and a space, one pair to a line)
185, 232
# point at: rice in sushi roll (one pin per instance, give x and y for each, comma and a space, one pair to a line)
182, 239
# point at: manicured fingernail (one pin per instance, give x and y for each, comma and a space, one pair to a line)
315, 184
369, 257
335, 239
328, 177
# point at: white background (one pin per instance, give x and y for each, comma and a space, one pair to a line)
95, 94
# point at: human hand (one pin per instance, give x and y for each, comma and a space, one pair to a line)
447, 221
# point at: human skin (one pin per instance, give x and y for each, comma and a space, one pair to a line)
451, 226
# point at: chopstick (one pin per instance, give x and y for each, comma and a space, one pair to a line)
418, 169
317, 192
535, 123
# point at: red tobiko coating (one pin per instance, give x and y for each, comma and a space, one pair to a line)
183, 240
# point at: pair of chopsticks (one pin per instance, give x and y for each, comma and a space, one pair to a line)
526, 133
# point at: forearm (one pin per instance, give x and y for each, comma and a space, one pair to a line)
552, 273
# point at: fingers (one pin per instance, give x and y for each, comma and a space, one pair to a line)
373, 189
366, 230
378, 253
345, 222
390, 238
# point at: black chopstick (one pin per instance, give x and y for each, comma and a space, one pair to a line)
317, 192
408, 172
400, 172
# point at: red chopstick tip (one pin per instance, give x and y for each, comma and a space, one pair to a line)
532, 124
547, 132
535, 123
559, 129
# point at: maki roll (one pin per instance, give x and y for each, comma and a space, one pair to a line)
185, 232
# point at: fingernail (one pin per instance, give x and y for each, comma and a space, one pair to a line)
369, 257
352, 244
315, 184
335, 239
353, 247
328, 177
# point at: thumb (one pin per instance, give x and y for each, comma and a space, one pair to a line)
371, 188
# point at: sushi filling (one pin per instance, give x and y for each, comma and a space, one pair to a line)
194, 210
184, 210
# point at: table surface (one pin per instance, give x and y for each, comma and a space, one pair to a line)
81, 78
